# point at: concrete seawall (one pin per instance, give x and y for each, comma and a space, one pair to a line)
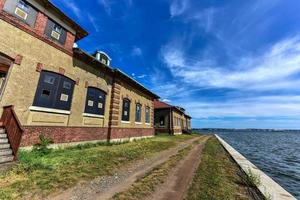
268, 187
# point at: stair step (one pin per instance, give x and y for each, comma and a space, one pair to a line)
2, 130
4, 146
3, 140
3, 135
5, 152
5, 159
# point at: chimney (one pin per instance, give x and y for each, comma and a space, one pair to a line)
103, 57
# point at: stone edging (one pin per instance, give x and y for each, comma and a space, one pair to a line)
268, 187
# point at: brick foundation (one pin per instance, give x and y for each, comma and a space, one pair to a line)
79, 134
162, 130
62, 134
119, 133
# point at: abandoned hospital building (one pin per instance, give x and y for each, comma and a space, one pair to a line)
51, 87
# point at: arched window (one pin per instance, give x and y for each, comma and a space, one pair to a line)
138, 112
54, 91
95, 101
126, 110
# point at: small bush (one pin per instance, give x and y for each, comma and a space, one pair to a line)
252, 179
43, 146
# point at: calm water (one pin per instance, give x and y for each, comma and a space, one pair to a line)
276, 153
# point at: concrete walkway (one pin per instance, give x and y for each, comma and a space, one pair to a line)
268, 187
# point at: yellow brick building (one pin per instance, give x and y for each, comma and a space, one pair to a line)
48, 87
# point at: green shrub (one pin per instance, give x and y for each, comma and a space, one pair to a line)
43, 146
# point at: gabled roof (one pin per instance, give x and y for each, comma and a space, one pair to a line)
160, 104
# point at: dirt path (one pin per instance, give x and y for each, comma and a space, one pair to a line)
180, 177
105, 187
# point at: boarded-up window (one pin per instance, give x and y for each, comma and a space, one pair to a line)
55, 32
126, 110
22, 10
147, 115
138, 112
52, 91
95, 101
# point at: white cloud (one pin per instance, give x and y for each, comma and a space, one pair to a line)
136, 51
272, 70
75, 9
178, 7
141, 76
166, 100
263, 106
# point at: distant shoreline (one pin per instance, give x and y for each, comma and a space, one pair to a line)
245, 130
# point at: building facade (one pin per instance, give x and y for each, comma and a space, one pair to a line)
170, 119
61, 91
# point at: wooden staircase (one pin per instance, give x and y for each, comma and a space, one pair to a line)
10, 135
6, 153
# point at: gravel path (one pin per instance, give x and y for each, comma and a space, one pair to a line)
180, 177
105, 187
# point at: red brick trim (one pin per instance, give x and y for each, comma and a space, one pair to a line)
114, 123
18, 59
61, 71
39, 67
77, 80
40, 23
15, 22
2, 4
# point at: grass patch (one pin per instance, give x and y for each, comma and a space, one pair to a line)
37, 175
146, 185
217, 176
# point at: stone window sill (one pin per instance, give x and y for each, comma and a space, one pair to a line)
92, 115
126, 122
139, 123
49, 110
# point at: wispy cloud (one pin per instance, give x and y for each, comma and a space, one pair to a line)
178, 7
94, 22
75, 9
272, 70
106, 5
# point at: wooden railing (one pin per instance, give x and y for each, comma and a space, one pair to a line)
13, 128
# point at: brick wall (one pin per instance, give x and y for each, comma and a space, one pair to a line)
1, 4
117, 133
69, 41
62, 134
40, 23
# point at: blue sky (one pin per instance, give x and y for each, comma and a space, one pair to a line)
231, 63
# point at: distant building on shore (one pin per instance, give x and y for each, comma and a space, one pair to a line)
171, 119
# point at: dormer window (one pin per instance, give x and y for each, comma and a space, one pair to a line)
55, 32
103, 57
